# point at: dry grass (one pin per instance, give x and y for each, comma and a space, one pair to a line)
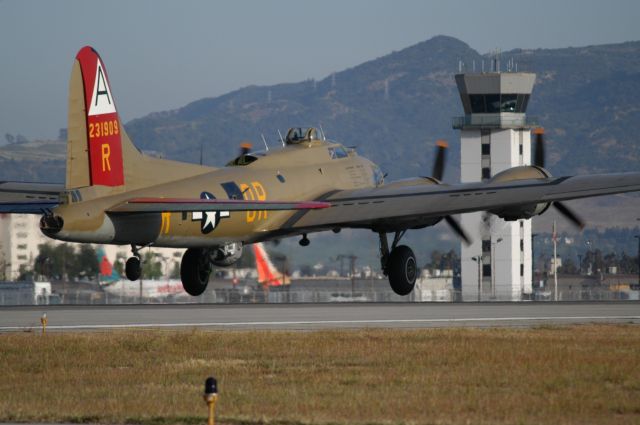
581, 375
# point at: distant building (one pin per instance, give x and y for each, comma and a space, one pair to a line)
19, 239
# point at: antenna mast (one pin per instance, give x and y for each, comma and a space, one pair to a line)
281, 139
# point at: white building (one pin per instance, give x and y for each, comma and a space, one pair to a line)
494, 135
19, 239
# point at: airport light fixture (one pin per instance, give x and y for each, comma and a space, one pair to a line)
210, 397
478, 259
493, 267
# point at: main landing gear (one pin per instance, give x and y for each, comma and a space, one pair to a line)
133, 267
195, 269
399, 264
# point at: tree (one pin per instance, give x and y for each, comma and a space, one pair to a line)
568, 267
175, 270
46, 264
86, 263
436, 259
151, 267
63, 262
119, 263
25, 273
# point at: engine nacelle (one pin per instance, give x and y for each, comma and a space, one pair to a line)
525, 172
226, 255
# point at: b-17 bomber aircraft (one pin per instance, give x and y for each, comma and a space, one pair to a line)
114, 194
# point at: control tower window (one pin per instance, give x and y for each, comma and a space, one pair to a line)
493, 103
523, 100
477, 103
508, 103
496, 103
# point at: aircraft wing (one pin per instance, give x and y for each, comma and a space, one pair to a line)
148, 205
29, 198
401, 207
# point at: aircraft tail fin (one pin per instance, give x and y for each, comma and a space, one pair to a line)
99, 151
108, 274
268, 275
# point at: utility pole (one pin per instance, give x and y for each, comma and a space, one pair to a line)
555, 262
638, 237
533, 259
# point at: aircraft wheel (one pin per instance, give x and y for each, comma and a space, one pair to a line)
402, 269
132, 268
195, 269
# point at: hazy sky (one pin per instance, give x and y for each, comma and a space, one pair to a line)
163, 54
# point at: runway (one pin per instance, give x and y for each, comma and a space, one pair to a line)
314, 316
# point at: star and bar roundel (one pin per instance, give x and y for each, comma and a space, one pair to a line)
208, 219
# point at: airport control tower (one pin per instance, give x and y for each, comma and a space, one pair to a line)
494, 135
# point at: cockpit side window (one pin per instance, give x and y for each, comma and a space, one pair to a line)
337, 152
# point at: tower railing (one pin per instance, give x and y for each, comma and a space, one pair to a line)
493, 121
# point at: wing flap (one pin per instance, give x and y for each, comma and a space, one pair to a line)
149, 205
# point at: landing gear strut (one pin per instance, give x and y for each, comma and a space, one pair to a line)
399, 264
195, 269
132, 268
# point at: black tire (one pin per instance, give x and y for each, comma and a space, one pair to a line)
403, 270
194, 271
132, 268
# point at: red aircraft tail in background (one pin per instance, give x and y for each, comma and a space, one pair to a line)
268, 275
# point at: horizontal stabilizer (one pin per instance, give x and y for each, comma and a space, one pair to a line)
29, 198
150, 205
26, 207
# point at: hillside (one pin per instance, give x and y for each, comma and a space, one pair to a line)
393, 109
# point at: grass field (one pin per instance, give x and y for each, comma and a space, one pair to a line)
569, 375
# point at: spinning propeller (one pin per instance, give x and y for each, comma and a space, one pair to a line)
538, 160
437, 173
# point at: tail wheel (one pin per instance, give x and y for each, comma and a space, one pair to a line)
195, 269
402, 269
132, 268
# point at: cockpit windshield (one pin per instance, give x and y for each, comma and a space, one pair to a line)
243, 159
297, 135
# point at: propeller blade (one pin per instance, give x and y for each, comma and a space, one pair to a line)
455, 226
570, 215
538, 155
441, 154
